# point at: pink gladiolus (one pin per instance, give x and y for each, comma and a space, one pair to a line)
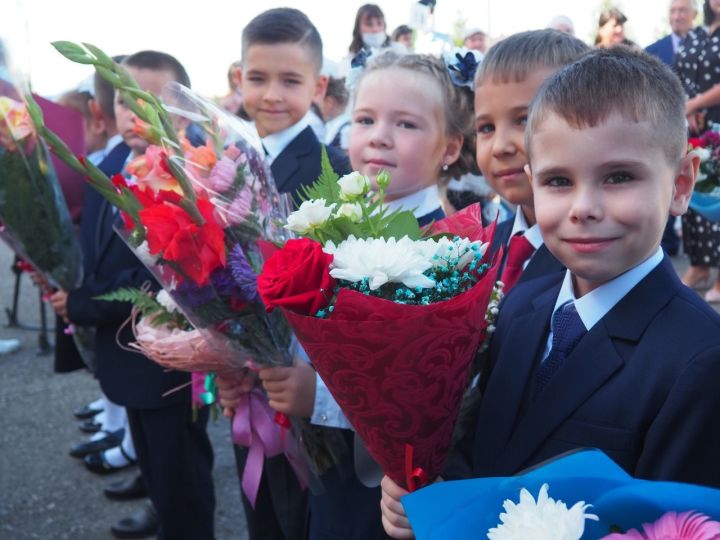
222, 175
240, 208
674, 526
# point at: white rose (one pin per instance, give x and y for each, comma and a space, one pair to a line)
352, 211
166, 301
310, 215
353, 185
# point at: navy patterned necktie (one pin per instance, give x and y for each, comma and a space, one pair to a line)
568, 329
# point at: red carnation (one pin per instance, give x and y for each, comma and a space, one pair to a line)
297, 277
197, 250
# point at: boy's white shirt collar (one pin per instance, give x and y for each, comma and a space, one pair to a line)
275, 143
97, 156
520, 226
421, 203
597, 303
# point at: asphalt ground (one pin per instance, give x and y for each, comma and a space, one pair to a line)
44, 493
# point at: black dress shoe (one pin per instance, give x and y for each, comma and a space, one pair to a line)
126, 490
90, 426
112, 439
97, 463
86, 412
141, 524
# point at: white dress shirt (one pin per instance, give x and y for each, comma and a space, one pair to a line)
421, 203
532, 234
597, 303
275, 143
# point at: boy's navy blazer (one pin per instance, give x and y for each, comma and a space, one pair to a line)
127, 378
663, 49
299, 163
641, 385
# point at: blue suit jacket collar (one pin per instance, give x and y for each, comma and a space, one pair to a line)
596, 358
288, 165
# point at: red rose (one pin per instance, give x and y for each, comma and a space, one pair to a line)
297, 277
197, 250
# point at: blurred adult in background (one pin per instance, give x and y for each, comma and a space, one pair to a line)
611, 29
403, 35
369, 29
682, 14
562, 23
698, 65
475, 40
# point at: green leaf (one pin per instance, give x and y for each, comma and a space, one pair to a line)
402, 223
34, 111
73, 52
326, 186
102, 58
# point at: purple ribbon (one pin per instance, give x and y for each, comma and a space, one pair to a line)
254, 427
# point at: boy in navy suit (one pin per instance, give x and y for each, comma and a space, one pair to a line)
616, 353
508, 78
173, 451
279, 80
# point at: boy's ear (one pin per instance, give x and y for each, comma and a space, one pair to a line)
684, 183
320, 89
97, 124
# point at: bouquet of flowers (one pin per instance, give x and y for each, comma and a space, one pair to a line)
391, 316
592, 498
196, 211
34, 218
706, 198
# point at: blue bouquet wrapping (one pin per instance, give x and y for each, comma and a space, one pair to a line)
469, 508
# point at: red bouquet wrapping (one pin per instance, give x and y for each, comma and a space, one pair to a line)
399, 371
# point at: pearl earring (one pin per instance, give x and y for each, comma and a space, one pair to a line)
445, 167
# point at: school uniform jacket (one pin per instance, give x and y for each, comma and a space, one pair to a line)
298, 164
641, 385
127, 378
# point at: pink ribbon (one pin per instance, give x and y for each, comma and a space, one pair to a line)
254, 427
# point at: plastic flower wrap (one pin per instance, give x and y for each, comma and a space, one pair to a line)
706, 198
35, 218
196, 209
582, 495
390, 315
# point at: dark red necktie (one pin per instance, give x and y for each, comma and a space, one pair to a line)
520, 250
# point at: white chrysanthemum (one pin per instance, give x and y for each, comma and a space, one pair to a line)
352, 211
380, 261
310, 215
544, 519
446, 248
166, 301
353, 185
142, 252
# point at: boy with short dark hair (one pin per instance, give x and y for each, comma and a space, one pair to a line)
506, 81
616, 353
279, 80
173, 451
